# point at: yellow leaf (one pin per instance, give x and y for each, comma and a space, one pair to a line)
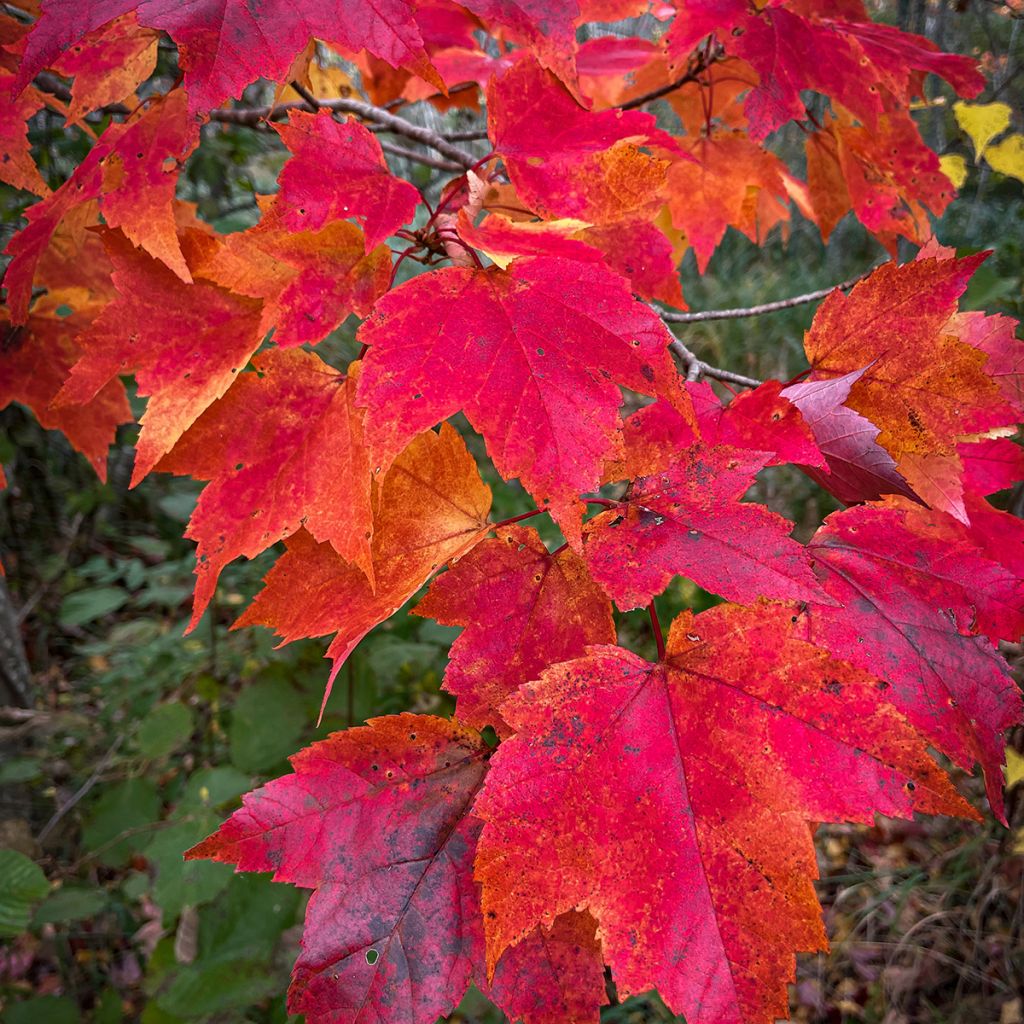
1008, 157
954, 167
982, 122
1014, 767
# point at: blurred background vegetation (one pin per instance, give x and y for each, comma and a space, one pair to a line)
122, 743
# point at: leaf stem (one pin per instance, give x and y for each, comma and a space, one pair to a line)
517, 519
656, 627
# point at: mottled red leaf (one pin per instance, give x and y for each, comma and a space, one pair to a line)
133, 171
912, 591
523, 609
675, 803
225, 46
283, 450
337, 172
108, 65
532, 356
309, 281
566, 161
35, 360
183, 342
378, 822
431, 507
689, 521
921, 386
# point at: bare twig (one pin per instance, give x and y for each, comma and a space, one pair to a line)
764, 307
420, 158
692, 74
697, 368
82, 790
345, 105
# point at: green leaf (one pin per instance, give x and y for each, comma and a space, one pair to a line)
84, 606
123, 808
19, 769
266, 724
179, 882
42, 1010
22, 884
164, 730
71, 904
212, 787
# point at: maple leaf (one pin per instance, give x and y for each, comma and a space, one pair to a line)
431, 507
376, 820
858, 468
635, 249
565, 161
689, 521
674, 801
17, 167
885, 174
531, 355
759, 420
544, 26
309, 281
710, 190
991, 465
912, 593
921, 386
522, 609
35, 360
337, 171
184, 343
283, 450
132, 170
226, 46
108, 65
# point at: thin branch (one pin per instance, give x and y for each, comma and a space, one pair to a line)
420, 158
82, 790
697, 368
345, 105
692, 74
764, 307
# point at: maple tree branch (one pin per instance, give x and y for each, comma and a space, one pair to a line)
697, 368
420, 158
764, 307
367, 111
692, 74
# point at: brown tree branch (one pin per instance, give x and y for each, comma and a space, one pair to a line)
692, 74
697, 368
366, 111
765, 307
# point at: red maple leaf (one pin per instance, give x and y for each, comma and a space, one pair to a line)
912, 595
689, 521
225, 46
675, 803
532, 355
283, 450
523, 609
